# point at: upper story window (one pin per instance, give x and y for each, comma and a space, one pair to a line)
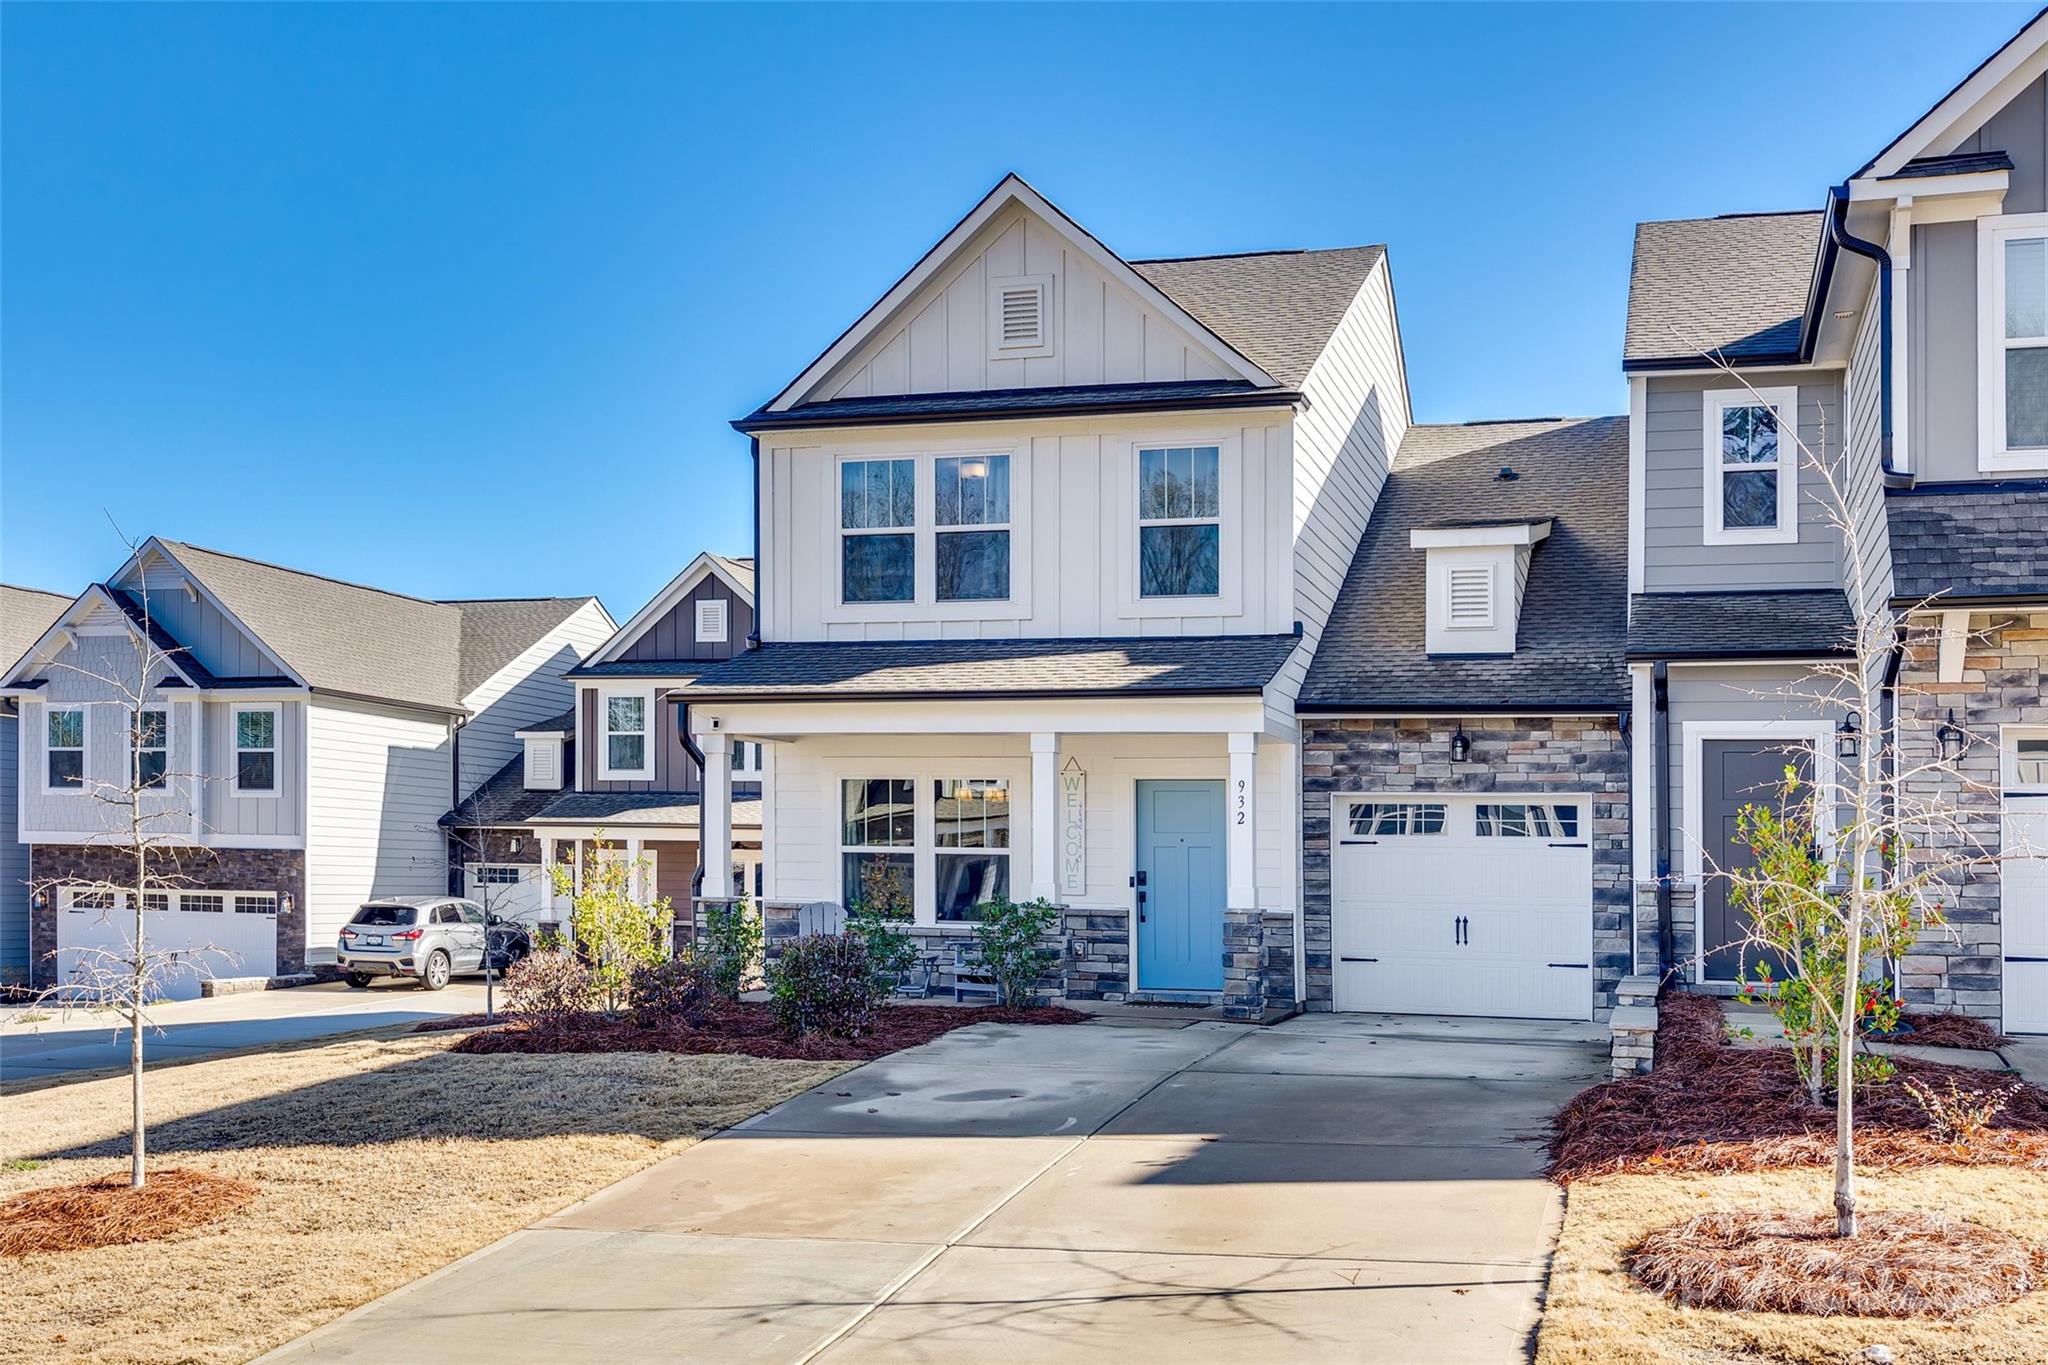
1180, 522
877, 530
256, 750
64, 749
626, 717
1752, 466
971, 514
2012, 369
150, 745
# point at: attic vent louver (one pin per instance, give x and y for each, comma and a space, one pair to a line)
1019, 321
1471, 595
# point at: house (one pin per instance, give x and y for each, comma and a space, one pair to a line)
305, 737
617, 763
25, 613
1047, 540
1898, 331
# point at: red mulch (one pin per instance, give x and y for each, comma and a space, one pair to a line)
106, 1212
748, 1027
1947, 1030
1711, 1106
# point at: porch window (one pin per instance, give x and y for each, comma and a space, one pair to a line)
625, 734
1180, 522
877, 536
65, 748
256, 750
150, 745
877, 843
972, 516
971, 828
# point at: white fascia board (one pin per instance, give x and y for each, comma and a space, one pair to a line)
1994, 84
543, 734
998, 716
704, 566
1930, 186
1459, 537
1012, 190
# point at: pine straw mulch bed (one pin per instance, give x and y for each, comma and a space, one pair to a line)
1947, 1030
107, 1212
1712, 1106
747, 1028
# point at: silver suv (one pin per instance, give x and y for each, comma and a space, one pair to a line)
427, 937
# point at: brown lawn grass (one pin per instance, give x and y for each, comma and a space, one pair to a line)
1596, 1312
376, 1159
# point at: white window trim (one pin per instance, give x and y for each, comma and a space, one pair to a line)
1032, 350
920, 518
1451, 572
1992, 235
1231, 532
605, 771
1006, 526
741, 748
2008, 758
924, 848
710, 610
135, 749
1785, 401
84, 752
276, 750
924, 603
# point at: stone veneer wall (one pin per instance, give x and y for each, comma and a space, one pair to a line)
282, 870
488, 846
1509, 753
1962, 967
1684, 928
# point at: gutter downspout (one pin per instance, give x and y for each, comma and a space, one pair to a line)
1660, 737
697, 756
760, 579
1838, 232
455, 725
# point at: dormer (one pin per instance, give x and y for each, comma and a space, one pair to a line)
546, 764
1473, 581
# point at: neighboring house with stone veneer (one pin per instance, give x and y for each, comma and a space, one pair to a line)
616, 764
25, 614
1902, 328
301, 738
1047, 538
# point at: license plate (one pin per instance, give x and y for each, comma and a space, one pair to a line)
373, 940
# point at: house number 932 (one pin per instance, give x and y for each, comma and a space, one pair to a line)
1240, 801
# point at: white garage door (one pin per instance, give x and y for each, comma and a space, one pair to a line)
208, 933
1456, 905
508, 890
2024, 898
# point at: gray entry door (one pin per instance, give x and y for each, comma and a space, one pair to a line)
1737, 773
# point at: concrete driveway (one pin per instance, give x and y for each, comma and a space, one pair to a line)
83, 1041
1334, 1188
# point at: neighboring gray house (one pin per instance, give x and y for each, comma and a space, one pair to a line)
25, 613
301, 742
1904, 330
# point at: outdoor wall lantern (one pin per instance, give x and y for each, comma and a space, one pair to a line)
39, 901
1951, 738
1461, 747
284, 902
1848, 738
513, 843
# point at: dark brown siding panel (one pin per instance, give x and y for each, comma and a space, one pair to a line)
675, 867
673, 769
674, 636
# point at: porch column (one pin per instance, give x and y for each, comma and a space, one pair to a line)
636, 878
715, 825
1240, 819
547, 876
1045, 816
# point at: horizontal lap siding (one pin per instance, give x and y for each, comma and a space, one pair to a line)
526, 692
378, 786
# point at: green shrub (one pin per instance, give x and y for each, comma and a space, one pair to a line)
879, 917
729, 947
825, 983
677, 990
548, 989
1013, 952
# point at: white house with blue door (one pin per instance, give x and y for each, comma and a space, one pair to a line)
1047, 540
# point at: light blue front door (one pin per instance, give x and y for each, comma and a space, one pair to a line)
1180, 885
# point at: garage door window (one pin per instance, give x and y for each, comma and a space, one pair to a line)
1532, 821
1398, 817
496, 876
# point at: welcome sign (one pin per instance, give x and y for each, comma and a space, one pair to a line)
1073, 830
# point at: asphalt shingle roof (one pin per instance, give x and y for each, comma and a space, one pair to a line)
640, 668
25, 614
1983, 542
503, 799
1159, 665
1574, 472
495, 631
616, 809
1739, 625
1734, 285
1278, 309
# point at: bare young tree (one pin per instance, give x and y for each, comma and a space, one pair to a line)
469, 841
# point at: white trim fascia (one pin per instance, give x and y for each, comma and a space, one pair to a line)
935, 262
1449, 537
195, 581
1870, 189
63, 629
235, 788
1642, 759
605, 771
1816, 364
1785, 402
1992, 233
705, 565
545, 734
913, 715
1638, 473
2010, 70
248, 694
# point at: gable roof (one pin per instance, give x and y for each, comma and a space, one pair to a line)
497, 630
1277, 307
2014, 65
26, 615
737, 574
1735, 285
1572, 472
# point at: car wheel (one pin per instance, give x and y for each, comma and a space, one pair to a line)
435, 974
358, 980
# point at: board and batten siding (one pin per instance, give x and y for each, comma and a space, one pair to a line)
1102, 331
221, 646
1073, 537
529, 690
377, 786
674, 769
13, 857
673, 636
1676, 557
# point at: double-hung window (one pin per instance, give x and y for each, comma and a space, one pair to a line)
878, 530
971, 514
627, 716
1752, 466
2012, 326
971, 831
64, 749
878, 843
746, 760
256, 750
1180, 521
150, 745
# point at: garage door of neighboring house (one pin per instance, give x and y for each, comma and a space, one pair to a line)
2023, 878
1736, 773
209, 934
1457, 905
508, 890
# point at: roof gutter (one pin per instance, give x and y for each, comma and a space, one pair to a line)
1839, 234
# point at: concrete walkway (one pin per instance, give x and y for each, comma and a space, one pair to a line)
1335, 1188
82, 1041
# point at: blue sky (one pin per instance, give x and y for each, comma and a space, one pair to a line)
459, 300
